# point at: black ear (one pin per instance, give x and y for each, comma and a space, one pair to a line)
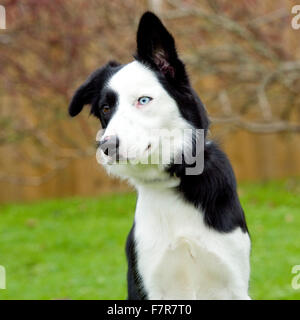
90, 90
156, 47
83, 95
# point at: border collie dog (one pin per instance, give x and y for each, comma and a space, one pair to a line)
189, 239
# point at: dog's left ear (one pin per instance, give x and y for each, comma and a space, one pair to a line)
156, 47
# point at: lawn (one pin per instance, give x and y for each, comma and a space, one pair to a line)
74, 248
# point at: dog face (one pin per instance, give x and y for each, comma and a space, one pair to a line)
142, 103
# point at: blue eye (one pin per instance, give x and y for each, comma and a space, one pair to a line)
144, 100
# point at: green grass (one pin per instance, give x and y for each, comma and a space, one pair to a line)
74, 248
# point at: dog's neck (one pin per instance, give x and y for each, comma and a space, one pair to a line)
157, 178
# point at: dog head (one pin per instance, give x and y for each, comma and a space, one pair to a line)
139, 102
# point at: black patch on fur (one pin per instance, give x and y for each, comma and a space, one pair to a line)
134, 282
213, 191
107, 98
93, 92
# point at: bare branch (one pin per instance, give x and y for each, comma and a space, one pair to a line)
257, 127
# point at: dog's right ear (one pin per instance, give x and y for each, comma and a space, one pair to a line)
90, 90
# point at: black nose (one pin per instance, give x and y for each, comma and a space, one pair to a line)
110, 145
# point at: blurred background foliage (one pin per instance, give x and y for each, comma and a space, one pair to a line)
243, 57
244, 61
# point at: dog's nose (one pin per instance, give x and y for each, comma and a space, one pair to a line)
110, 145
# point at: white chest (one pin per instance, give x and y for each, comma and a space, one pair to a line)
179, 257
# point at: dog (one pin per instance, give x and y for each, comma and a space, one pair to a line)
189, 238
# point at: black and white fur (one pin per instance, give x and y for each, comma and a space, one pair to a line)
189, 238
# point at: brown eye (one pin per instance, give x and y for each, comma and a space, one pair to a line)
106, 109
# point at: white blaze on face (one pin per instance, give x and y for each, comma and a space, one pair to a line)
134, 124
